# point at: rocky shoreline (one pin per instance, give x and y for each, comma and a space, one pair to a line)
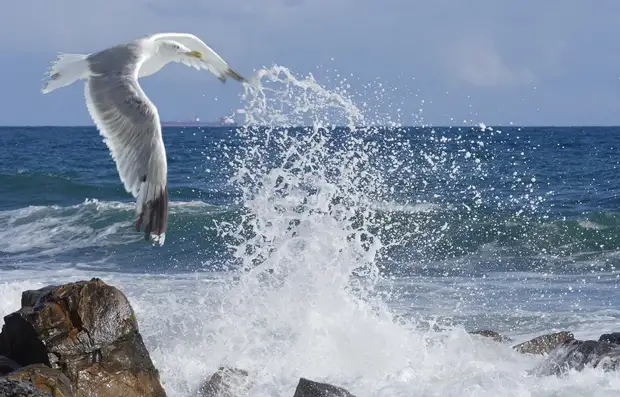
82, 340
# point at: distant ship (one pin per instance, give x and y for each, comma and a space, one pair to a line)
225, 121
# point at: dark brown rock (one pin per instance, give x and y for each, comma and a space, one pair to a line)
614, 338
88, 330
30, 297
492, 334
226, 382
576, 355
44, 378
7, 365
19, 388
544, 344
308, 388
19, 340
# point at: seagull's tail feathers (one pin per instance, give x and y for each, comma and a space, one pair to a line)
65, 70
152, 210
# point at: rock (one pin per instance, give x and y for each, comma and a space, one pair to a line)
19, 340
44, 378
88, 330
576, 355
308, 388
30, 297
226, 382
492, 334
544, 344
19, 388
7, 365
614, 338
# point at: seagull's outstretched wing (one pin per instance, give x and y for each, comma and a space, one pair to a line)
211, 60
130, 124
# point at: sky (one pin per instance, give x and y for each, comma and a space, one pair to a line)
552, 62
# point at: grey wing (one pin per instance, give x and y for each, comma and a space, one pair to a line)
130, 125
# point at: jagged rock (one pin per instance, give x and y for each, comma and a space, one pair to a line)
19, 388
226, 382
7, 365
576, 355
30, 297
308, 388
44, 378
19, 340
544, 344
88, 330
492, 334
614, 338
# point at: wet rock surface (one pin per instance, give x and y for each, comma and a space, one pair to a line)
18, 388
88, 331
7, 365
613, 337
308, 388
45, 379
544, 344
497, 337
226, 382
577, 355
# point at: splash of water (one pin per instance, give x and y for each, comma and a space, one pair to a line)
306, 293
306, 302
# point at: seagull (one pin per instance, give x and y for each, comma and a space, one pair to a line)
127, 119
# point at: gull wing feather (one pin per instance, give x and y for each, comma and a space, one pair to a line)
211, 60
129, 123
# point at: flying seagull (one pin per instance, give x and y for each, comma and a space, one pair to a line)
127, 119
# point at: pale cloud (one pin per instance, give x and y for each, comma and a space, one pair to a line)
479, 63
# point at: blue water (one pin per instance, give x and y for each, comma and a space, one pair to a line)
547, 199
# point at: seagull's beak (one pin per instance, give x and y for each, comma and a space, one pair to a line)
194, 54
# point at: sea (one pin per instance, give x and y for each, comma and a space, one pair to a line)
322, 238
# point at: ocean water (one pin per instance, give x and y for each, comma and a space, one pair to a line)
323, 239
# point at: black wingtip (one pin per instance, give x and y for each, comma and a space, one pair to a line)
154, 216
236, 76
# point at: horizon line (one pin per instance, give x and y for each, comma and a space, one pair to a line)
494, 126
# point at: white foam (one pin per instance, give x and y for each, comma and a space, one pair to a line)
586, 224
190, 330
412, 208
53, 229
49, 230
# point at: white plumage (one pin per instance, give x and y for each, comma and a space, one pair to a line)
127, 119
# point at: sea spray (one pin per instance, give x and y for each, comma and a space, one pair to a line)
308, 265
305, 302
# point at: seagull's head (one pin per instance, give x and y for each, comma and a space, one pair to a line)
175, 49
